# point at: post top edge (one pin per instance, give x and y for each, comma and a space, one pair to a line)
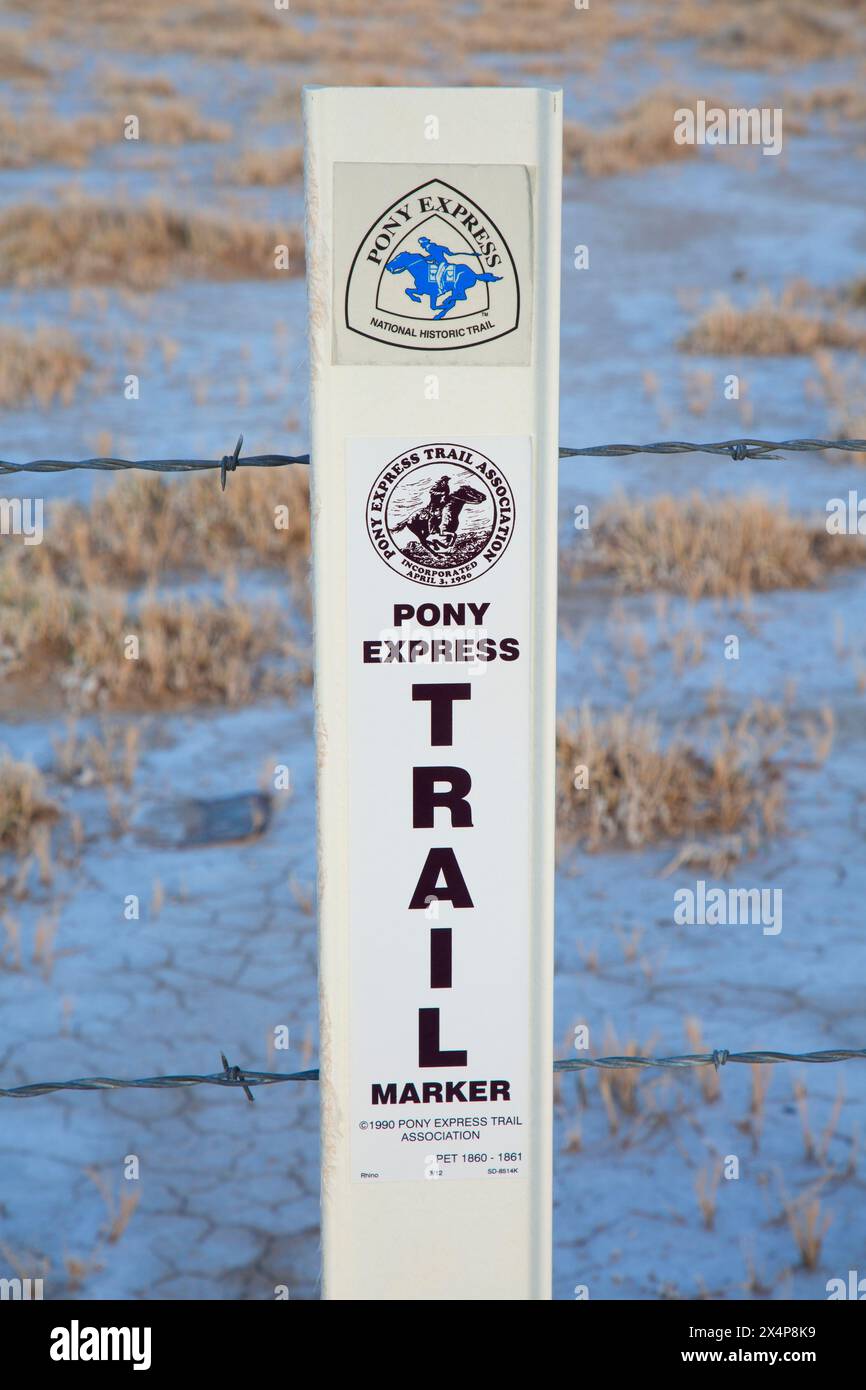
315, 89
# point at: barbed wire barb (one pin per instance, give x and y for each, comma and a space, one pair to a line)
238, 1077
235, 1074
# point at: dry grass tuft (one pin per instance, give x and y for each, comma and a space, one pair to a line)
708, 1077
101, 759
395, 43
25, 807
773, 35
619, 1087
808, 1228
855, 293
78, 645
118, 1212
132, 86
41, 367
63, 625
267, 168
643, 136
768, 329
141, 247
545, 37
617, 784
16, 63
707, 1190
697, 545
843, 390
816, 1150
171, 121
143, 526
845, 101
41, 136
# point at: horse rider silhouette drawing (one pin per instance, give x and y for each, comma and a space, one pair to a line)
436, 525
435, 275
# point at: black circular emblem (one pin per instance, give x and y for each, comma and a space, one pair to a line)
440, 514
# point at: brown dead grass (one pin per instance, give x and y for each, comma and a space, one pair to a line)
144, 526
25, 807
44, 366
140, 246
170, 122
190, 653
727, 545
245, 31
402, 40
808, 1226
642, 136
63, 624
267, 168
544, 28
775, 33
855, 292
397, 39
280, 102
119, 1210
101, 759
16, 61
640, 791
760, 33
843, 391
844, 101
132, 86
768, 328
40, 136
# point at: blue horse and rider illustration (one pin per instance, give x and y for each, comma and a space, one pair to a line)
434, 275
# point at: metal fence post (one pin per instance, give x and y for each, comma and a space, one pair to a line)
433, 245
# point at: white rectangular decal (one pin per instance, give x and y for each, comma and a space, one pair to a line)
433, 259
439, 783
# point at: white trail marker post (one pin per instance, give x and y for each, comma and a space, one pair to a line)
433, 250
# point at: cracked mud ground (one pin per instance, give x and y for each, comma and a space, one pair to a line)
228, 1191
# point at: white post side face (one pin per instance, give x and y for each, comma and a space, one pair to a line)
433, 247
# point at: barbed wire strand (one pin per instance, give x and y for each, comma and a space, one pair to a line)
736, 449
234, 1076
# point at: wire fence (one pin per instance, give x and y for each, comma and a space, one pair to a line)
736, 449
238, 1077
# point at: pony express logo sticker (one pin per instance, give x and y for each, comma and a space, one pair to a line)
440, 514
435, 270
